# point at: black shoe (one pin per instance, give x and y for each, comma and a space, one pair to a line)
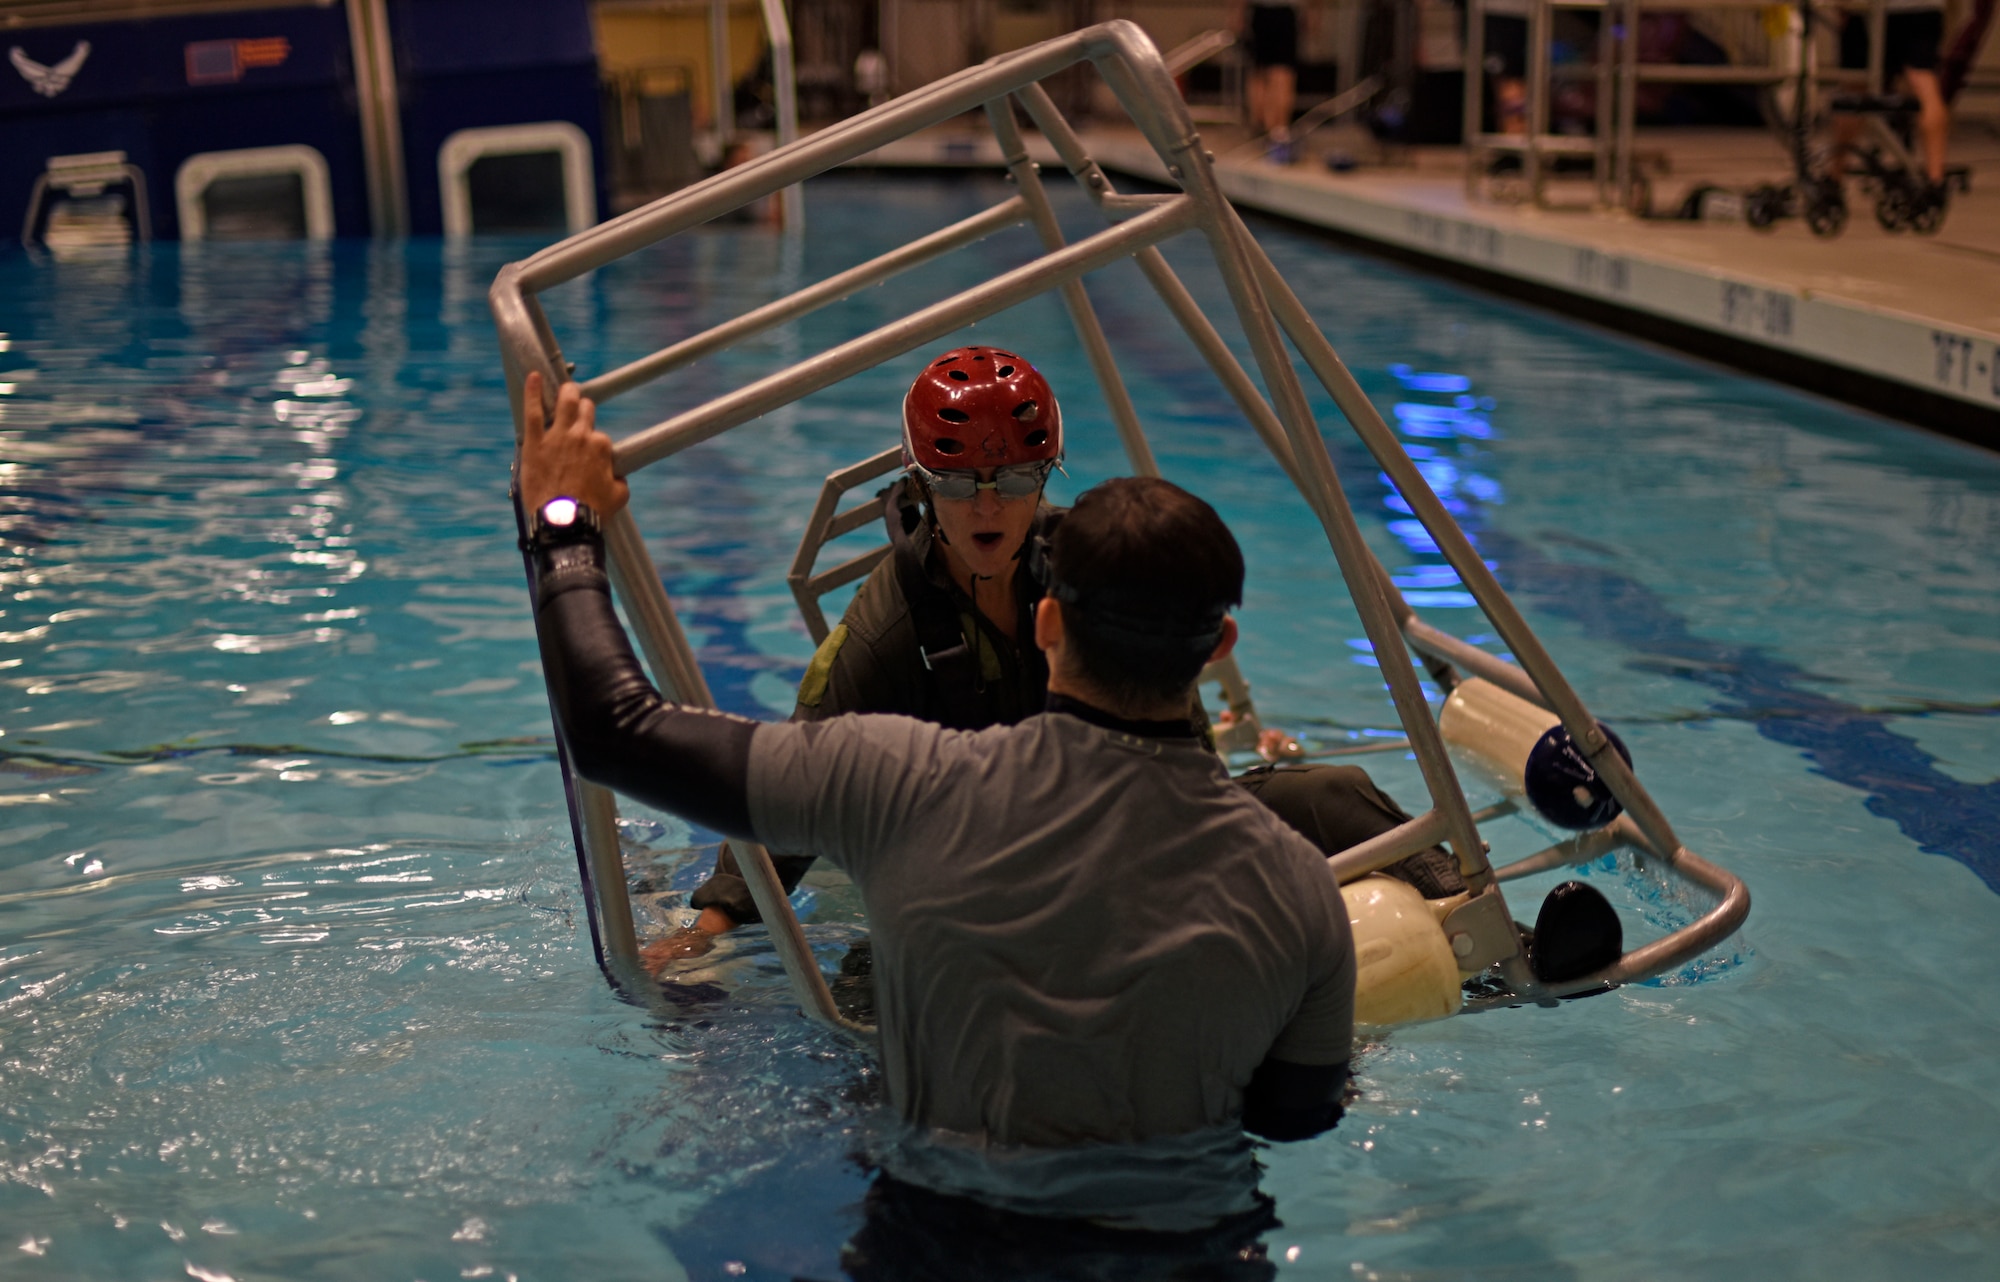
1576, 933
1433, 872
1927, 206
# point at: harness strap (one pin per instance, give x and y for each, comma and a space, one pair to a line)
957, 689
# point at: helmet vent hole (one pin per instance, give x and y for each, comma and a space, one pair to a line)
945, 445
1037, 439
1027, 412
961, 375
1004, 371
946, 361
951, 415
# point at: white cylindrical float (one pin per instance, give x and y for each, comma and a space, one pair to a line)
1405, 972
1527, 752
1495, 729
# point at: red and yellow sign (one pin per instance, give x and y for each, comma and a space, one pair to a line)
223, 62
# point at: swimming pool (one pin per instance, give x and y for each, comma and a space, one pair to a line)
292, 977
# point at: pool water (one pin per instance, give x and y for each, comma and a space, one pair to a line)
294, 980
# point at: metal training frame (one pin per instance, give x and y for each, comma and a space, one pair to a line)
1482, 932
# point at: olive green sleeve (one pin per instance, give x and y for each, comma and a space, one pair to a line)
812, 689
849, 673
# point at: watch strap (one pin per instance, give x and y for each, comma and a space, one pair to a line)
543, 533
566, 567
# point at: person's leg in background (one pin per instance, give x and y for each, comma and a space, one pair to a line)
1913, 41
1273, 31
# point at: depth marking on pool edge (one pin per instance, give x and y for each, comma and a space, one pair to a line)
1953, 361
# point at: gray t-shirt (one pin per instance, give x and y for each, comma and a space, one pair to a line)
1080, 935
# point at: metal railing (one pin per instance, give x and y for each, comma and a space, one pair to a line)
1481, 930
1536, 146
784, 89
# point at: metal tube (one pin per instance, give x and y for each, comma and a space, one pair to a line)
1690, 941
1236, 251
1228, 370
1538, 96
1602, 127
860, 516
1628, 99
848, 571
1056, 129
823, 526
1050, 119
1148, 94
835, 145
831, 290
1475, 95
1580, 849
933, 322
381, 119
791, 201
721, 87
1027, 177
1556, 692
1428, 640
867, 469
1402, 841
1383, 849
607, 872
1267, 308
675, 668
679, 676
788, 937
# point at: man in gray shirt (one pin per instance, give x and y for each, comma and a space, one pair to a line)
1085, 934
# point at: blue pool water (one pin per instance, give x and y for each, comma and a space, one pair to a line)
293, 977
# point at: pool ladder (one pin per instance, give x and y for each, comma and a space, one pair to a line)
1481, 931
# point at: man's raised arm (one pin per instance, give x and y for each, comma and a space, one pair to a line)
620, 732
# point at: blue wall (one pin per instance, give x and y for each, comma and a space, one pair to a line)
132, 95
460, 63
468, 63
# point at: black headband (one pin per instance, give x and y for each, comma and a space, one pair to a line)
1148, 630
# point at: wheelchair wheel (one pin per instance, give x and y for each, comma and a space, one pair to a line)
1895, 204
1763, 206
1927, 211
1826, 209
1892, 210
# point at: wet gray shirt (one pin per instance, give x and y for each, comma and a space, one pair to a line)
1080, 935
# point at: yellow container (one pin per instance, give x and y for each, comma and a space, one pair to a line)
1405, 972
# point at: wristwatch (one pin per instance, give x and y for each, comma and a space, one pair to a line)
561, 522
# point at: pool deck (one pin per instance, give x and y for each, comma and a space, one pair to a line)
1907, 325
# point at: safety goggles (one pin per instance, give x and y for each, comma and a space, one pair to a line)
1020, 481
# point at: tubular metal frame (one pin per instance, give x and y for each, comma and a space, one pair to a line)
1481, 930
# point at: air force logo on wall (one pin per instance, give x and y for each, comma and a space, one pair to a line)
49, 81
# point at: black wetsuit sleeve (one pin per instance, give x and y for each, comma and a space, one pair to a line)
857, 680
619, 730
1287, 1101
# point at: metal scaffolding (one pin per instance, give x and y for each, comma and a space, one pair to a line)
1480, 929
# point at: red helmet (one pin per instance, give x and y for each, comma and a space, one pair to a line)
980, 407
